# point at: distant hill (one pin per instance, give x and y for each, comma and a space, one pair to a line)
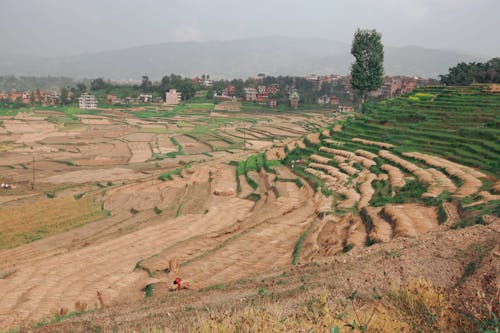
234, 58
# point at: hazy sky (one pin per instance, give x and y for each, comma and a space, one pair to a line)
66, 27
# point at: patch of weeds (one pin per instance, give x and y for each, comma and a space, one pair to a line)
133, 211
138, 265
298, 245
50, 194
78, 196
442, 216
253, 197
178, 172
58, 318
179, 210
69, 163
261, 291
358, 166
251, 182
157, 210
347, 247
149, 290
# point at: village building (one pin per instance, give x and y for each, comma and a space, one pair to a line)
145, 98
250, 94
207, 83
343, 108
334, 100
294, 99
273, 88
325, 99
87, 101
111, 99
273, 103
129, 100
229, 91
51, 98
173, 97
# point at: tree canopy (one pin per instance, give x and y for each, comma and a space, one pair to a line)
464, 74
367, 72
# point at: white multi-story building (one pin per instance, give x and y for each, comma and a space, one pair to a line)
87, 101
173, 97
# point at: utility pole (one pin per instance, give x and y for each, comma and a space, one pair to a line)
245, 138
33, 183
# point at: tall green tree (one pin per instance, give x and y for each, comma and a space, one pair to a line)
64, 96
146, 84
97, 84
367, 72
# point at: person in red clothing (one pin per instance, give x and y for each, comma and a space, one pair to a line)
177, 281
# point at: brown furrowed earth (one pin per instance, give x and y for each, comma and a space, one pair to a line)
251, 210
115, 196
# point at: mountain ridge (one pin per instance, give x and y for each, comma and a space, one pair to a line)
240, 58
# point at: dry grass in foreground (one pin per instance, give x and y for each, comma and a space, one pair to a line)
415, 305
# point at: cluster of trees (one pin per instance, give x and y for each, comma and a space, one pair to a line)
474, 72
185, 85
309, 93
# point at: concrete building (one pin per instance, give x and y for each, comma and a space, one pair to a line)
87, 101
173, 97
111, 99
343, 108
207, 83
325, 99
250, 94
294, 99
145, 98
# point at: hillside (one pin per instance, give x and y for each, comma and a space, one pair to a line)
229, 59
275, 220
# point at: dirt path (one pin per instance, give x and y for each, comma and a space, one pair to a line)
452, 213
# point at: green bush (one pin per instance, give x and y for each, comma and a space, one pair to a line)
442, 216
148, 290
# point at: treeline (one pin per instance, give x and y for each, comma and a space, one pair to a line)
309, 93
464, 74
71, 89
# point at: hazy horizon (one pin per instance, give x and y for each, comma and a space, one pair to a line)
53, 28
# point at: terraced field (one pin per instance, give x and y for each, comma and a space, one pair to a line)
218, 197
404, 167
111, 182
